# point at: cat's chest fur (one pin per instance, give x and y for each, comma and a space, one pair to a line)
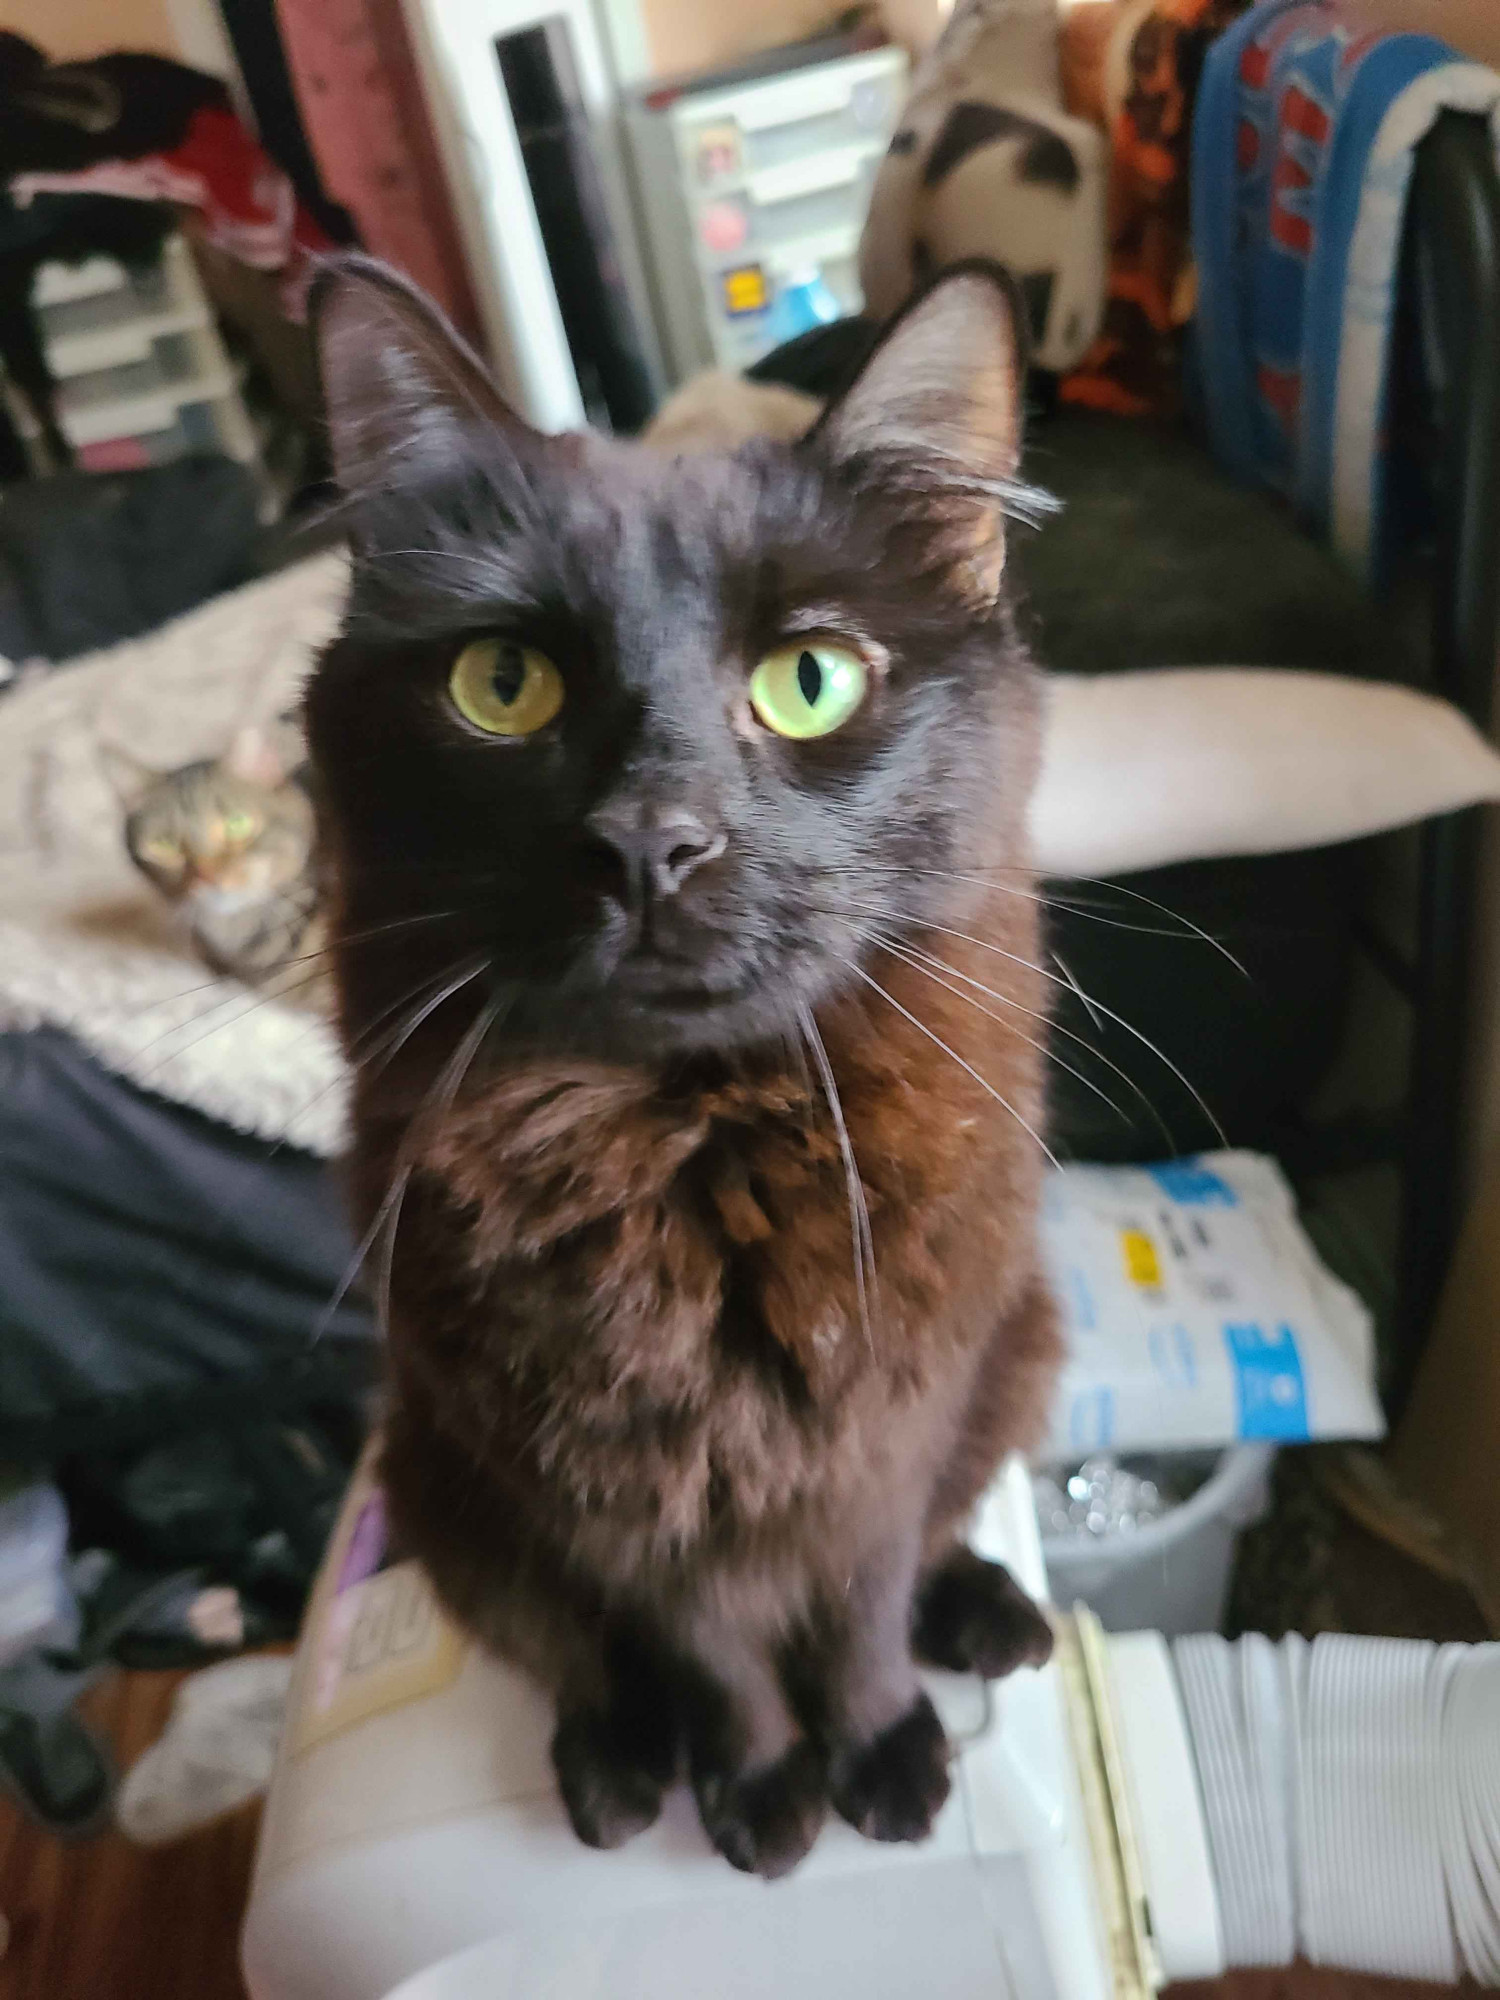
662, 1306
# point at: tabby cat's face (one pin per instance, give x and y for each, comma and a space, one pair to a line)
204, 830
663, 745
233, 852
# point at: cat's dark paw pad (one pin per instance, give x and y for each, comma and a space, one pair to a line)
974, 1618
611, 1795
894, 1787
765, 1821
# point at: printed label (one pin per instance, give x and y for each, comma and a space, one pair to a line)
1269, 1390
1091, 1421
1142, 1265
717, 153
745, 290
377, 1637
723, 226
1191, 1184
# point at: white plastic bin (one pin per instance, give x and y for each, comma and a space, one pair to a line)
1171, 1576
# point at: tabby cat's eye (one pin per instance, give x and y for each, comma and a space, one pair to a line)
805, 691
505, 689
240, 826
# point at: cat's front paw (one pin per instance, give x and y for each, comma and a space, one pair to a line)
974, 1618
765, 1821
893, 1787
611, 1788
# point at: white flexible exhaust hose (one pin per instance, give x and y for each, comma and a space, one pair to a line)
1350, 1790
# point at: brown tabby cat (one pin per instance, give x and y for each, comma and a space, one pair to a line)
663, 797
229, 841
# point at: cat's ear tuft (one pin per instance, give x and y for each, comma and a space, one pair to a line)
400, 387
265, 753
945, 379
938, 405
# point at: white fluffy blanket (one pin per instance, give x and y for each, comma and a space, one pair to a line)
85, 943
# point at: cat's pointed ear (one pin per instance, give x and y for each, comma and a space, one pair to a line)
937, 405
400, 387
265, 753
944, 378
128, 778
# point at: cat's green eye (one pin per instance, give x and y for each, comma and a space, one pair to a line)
240, 827
505, 689
802, 691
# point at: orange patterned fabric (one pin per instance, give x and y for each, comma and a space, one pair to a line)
1132, 66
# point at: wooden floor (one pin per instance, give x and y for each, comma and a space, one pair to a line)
106, 1920
1308, 1982
109, 1921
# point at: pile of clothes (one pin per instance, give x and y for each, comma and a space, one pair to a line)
103, 156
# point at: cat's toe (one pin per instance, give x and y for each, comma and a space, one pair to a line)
894, 1787
610, 1792
974, 1618
765, 1821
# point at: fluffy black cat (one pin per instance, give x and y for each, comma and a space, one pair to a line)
663, 799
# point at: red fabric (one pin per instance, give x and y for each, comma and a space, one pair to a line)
248, 205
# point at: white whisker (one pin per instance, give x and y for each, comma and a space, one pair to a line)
1145, 1040
438, 1101
429, 1007
1072, 978
1052, 1027
859, 1211
909, 958
1189, 928
362, 1250
485, 565
368, 1034
967, 1068
246, 998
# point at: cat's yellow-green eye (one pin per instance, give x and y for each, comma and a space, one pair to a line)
504, 688
806, 690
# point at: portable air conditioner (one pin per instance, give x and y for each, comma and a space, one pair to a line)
414, 1846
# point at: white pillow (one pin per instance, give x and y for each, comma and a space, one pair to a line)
1182, 763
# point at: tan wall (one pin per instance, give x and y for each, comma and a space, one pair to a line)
1472, 26
190, 30
687, 35
698, 34
66, 28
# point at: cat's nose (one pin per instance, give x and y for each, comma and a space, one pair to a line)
660, 848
